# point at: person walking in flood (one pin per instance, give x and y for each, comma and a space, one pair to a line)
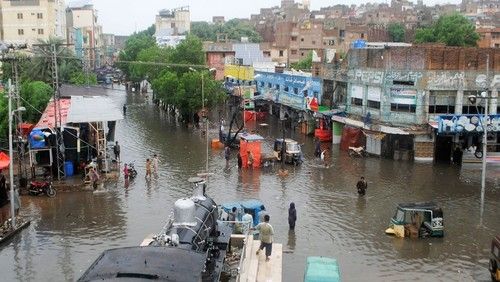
317, 149
362, 186
155, 164
116, 150
292, 216
250, 159
125, 171
94, 177
240, 161
266, 233
148, 168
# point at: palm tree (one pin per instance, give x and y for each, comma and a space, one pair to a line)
41, 63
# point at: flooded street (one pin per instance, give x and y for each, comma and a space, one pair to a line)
69, 231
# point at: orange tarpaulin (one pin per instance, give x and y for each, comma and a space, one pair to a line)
4, 160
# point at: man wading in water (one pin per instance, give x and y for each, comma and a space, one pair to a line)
362, 186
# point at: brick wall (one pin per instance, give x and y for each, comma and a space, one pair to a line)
424, 150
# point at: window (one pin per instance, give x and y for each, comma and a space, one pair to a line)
402, 108
331, 42
39, 15
294, 38
403, 82
20, 32
373, 104
357, 101
470, 109
40, 31
286, 89
269, 85
294, 52
19, 16
305, 93
281, 53
315, 94
261, 84
442, 103
302, 39
302, 54
295, 91
277, 87
314, 42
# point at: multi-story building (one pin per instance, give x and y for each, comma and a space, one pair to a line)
108, 49
27, 21
490, 37
404, 92
172, 26
84, 32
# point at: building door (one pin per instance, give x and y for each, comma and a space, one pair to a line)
443, 149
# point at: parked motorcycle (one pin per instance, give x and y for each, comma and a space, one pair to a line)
37, 188
132, 173
357, 152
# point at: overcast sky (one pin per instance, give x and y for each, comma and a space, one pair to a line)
124, 17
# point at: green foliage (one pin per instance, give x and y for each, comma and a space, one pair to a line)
37, 94
81, 78
136, 43
304, 64
452, 30
189, 51
4, 116
396, 32
234, 29
184, 90
40, 66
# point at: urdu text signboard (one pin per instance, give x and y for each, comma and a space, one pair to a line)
468, 123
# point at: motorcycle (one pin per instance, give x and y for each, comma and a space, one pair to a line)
37, 188
132, 173
357, 152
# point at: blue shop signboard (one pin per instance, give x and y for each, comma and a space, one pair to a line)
467, 123
288, 89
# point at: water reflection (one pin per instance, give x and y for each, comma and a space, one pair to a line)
291, 240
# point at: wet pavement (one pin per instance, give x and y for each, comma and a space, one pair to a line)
69, 231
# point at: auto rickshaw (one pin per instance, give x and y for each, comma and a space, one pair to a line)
495, 259
417, 220
293, 152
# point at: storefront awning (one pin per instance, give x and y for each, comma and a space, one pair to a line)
375, 127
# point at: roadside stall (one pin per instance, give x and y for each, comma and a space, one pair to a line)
251, 150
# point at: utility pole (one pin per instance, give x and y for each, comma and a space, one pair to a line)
484, 123
60, 158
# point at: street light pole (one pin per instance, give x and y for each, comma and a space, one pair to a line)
11, 165
206, 117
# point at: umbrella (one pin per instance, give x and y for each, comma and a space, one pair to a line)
4, 160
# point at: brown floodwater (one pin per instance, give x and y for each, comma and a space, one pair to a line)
69, 231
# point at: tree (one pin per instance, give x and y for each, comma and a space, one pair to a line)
396, 32
40, 66
81, 78
452, 30
35, 95
304, 64
133, 46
